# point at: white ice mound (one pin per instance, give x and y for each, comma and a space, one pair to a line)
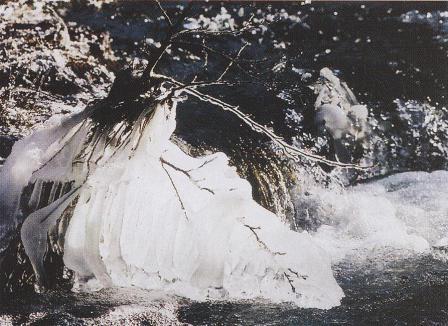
404, 214
160, 219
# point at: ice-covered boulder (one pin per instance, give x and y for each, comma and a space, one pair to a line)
148, 215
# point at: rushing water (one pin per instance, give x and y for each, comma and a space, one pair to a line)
406, 292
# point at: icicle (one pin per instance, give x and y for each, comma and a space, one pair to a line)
54, 188
36, 194
34, 233
47, 155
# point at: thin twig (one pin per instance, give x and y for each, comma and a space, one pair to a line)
203, 31
165, 45
232, 61
164, 13
175, 189
290, 283
297, 274
252, 229
224, 55
61, 148
187, 174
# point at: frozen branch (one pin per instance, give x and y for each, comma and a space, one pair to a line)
187, 174
253, 230
175, 189
290, 282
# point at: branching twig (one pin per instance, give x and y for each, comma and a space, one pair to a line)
61, 148
204, 164
165, 44
186, 173
232, 61
223, 55
252, 229
297, 274
175, 189
204, 31
290, 282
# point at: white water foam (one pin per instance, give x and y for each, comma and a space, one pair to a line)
400, 215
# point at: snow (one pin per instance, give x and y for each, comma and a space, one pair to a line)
338, 109
156, 218
334, 119
338, 112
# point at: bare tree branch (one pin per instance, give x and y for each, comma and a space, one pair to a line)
263, 244
247, 26
150, 78
175, 189
165, 44
168, 19
288, 150
232, 61
224, 55
186, 173
213, 33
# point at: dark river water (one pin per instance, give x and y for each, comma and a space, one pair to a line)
405, 292
410, 292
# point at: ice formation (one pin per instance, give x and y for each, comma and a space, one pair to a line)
164, 220
151, 216
28, 156
339, 112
